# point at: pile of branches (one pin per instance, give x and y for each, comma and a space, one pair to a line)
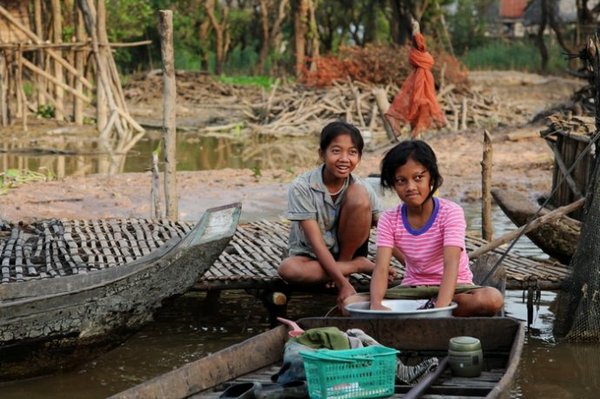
381, 65
297, 110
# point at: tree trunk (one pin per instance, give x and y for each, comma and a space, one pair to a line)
221, 34
271, 34
300, 31
539, 39
314, 35
578, 306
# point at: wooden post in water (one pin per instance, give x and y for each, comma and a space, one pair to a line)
169, 94
487, 231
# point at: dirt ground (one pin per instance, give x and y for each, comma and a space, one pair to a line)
521, 160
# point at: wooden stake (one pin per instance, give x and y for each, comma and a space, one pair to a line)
383, 105
169, 120
487, 231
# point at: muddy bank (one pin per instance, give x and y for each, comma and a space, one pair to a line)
524, 162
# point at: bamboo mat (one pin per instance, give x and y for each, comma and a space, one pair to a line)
253, 255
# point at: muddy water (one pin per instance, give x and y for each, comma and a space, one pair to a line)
61, 156
185, 329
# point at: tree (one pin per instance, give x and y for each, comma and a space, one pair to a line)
272, 16
220, 27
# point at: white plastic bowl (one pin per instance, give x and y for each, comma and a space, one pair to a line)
399, 308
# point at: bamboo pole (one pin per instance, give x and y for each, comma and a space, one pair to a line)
4, 13
89, 13
169, 120
59, 112
102, 101
556, 213
21, 91
3, 94
79, 64
41, 82
487, 231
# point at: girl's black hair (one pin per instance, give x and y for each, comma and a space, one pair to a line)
337, 128
417, 150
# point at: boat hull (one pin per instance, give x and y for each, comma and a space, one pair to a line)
501, 339
558, 238
51, 324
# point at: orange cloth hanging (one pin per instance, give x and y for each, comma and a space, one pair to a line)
415, 103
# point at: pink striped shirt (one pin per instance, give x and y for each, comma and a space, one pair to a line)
423, 249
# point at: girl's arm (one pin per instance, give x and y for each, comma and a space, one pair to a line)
449, 276
379, 279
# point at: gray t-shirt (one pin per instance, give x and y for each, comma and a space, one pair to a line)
309, 199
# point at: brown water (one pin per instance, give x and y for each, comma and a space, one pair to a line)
185, 330
61, 156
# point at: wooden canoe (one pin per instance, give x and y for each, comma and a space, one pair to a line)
50, 323
557, 238
260, 357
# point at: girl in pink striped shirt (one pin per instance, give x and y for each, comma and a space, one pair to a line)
427, 234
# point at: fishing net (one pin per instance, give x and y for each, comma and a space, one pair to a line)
578, 312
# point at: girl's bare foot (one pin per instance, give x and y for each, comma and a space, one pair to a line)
364, 265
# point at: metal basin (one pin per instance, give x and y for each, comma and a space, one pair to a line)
399, 308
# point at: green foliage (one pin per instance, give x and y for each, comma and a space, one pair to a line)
467, 27
15, 177
520, 55
46, 111
256, 173
241, 80
28, 88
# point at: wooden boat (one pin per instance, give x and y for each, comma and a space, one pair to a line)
558, 238
257, 358
73, 289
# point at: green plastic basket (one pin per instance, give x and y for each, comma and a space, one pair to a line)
354, 373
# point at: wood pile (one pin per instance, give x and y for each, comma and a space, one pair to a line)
295, 110
569, 125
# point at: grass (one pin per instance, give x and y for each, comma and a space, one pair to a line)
514, 55
15, 177
241, 80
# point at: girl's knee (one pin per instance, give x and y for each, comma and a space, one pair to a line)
490, 300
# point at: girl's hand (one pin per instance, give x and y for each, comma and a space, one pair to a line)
345, 291
379, 306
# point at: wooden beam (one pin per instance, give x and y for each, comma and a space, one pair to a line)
68, 88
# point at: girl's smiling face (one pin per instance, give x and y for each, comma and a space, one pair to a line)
412, 183
340, 157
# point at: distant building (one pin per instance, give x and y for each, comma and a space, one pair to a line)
511, 17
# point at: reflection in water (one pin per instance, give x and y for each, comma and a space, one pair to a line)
79, 156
